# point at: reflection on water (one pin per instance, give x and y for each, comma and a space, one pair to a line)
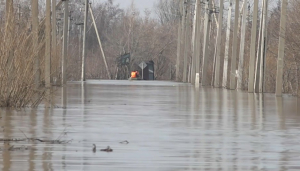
64, 97
169, 126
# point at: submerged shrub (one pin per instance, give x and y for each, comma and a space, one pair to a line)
17, 59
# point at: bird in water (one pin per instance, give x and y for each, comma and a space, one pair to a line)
108, 149
94, 148
124, 142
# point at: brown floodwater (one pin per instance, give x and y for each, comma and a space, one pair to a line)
169, 126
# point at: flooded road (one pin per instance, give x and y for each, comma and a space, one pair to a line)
169, 126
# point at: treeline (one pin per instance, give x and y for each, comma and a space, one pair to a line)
121, 31
292, 54
125, 31
148, 35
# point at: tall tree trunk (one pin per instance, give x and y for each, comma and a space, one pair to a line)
280, 62
252, 48
206, 42
242, 47
54, 38
218, 46
48, 44
227, 44
35, 32
179, 41
234, 47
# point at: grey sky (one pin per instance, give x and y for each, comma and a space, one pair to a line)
140, 4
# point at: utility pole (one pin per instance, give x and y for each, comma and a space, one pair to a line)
206, 41
234, 46
227, 44
279, 77
258, 55
48, 44
54, 37
198, 45
65, 43
215, 19
218, 46
60, 40
263, 46
214, 10
252, 48
242, 47
8, 37
186, 40
179, 47
100, 44
183, 28
56, 40
84, 40
193, 44
35, 30
69, 26
195, 40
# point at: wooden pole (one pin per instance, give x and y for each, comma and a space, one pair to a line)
69, 27
252, 48
79, 40
100, 44
183, 24
242, 47
234, 47
206, 41
215, 45
198, 44
84, 40
48, 44
35, 31
218, 46
258, 55
186, 41
227, 44
8, 38
193, 44
54, 33
60, 41
263, 46
65, 43
279, 77
195, 40
179, 47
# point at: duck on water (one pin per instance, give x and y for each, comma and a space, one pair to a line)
108, 149
124, 142
94, 148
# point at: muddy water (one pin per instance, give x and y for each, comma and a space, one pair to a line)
169, 126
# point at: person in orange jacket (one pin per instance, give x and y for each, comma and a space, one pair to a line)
134, 74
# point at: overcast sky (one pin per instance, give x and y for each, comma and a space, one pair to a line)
140, 4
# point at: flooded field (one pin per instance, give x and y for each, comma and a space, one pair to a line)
169, 127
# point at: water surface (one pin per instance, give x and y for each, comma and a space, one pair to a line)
169, 126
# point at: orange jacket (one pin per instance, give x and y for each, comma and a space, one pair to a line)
134, 74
